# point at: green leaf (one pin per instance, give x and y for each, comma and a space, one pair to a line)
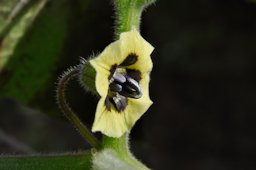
15, 25
6, 6
35, 56
80, 161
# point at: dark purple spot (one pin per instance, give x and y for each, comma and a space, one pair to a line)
129, 60
108, 104
112, 71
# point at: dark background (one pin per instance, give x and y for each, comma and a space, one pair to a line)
203, 87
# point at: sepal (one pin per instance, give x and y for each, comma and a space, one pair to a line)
87, 76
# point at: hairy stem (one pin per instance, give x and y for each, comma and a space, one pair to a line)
121, 146
82, 129
128, 14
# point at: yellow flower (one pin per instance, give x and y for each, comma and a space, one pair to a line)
122, 81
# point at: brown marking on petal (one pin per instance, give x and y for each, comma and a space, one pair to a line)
112, 71
135, 74
129, 60
107, 104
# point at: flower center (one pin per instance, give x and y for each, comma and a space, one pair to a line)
125, 85
121, 87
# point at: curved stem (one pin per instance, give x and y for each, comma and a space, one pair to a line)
82, 129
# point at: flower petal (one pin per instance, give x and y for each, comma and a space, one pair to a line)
137, 107
133, 43
108, 57
110, 123
135, 110
102, 64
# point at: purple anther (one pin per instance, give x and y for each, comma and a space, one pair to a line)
115, 87
119, 78
131, 88
120, 102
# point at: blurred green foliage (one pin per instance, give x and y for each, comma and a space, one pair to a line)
6, 7
35, 56
33, 45
57, 162
33, 36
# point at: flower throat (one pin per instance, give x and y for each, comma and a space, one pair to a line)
123, 84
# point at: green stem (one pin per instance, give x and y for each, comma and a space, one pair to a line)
121, 147
82, 129
128, 14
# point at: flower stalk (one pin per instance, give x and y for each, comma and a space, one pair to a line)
128, 14
121, 146
82, 129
